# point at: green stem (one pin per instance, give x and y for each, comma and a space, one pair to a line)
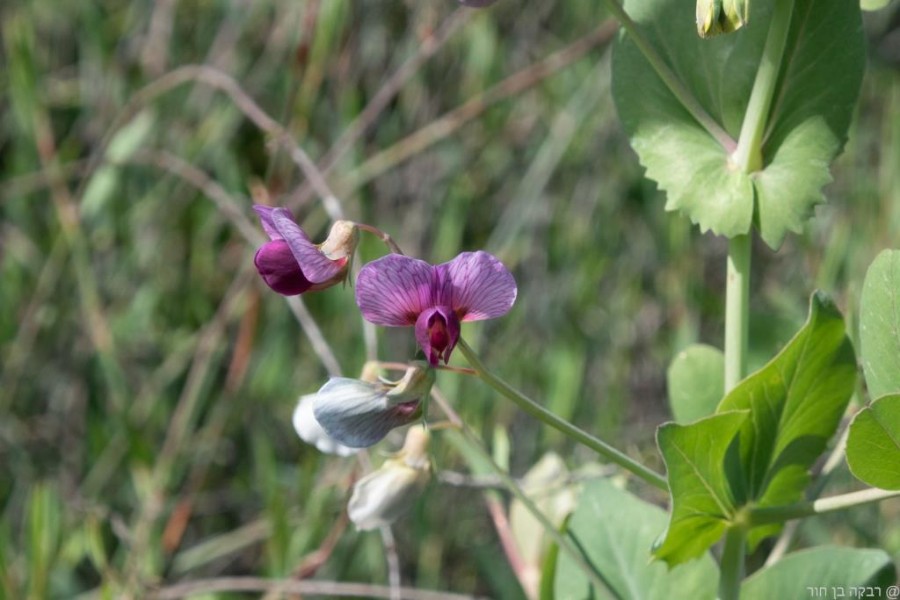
748, 156
737, 310
780, 514
669, 78
539, 412
564, 542
732, 567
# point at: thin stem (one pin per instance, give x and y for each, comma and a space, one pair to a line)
539, 412
564, 542
669, 78
427, 48
442, 127
460, 370
779, 514
835, 459
737, 310
748, 156
384, 237
732, 567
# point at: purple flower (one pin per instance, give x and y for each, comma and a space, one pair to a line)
291, 264
399, 291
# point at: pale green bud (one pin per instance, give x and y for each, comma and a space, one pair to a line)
715, 17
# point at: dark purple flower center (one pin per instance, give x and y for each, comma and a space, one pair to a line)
437, 330
279, 269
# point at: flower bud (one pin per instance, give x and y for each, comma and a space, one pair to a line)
359, 414
715, 17
291, 264
382, 496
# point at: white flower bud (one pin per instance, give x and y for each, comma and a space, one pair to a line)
311, 432
382, 496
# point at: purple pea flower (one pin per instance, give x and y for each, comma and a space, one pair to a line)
399, 291
291, 264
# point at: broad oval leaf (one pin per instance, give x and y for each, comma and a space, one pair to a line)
696, 382
879, 325
802, 574
873, 445
812, 106
796, 402
702, 501
615, 530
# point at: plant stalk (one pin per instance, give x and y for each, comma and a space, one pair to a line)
748, 156
780, 514
737, 309
564, 542
669, 77
732, 567
539, 412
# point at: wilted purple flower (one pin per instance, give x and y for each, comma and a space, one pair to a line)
291, 264
399, 291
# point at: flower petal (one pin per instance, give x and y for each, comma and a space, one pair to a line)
359, 414
265, 217
394, 289
312, 433
480, 286
383, 496
278, 268
315, 265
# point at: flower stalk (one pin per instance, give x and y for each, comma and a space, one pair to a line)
737, 310
539, 412
799, 510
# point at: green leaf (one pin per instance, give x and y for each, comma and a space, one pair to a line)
702, 502
824, 64
873, 446
696, 382
879, 325
802, 574
615, 530
796, 402
811, 111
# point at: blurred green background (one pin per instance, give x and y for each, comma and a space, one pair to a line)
147, 376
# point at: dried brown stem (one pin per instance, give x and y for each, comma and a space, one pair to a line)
445, 125
425, 50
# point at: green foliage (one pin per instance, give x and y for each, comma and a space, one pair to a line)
615, 530
806, 127
796, 402
873, 445
765, 436
825, 567
696, 382
702, 500
879, 325
147, 382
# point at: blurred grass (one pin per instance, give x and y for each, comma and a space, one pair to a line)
147, 382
